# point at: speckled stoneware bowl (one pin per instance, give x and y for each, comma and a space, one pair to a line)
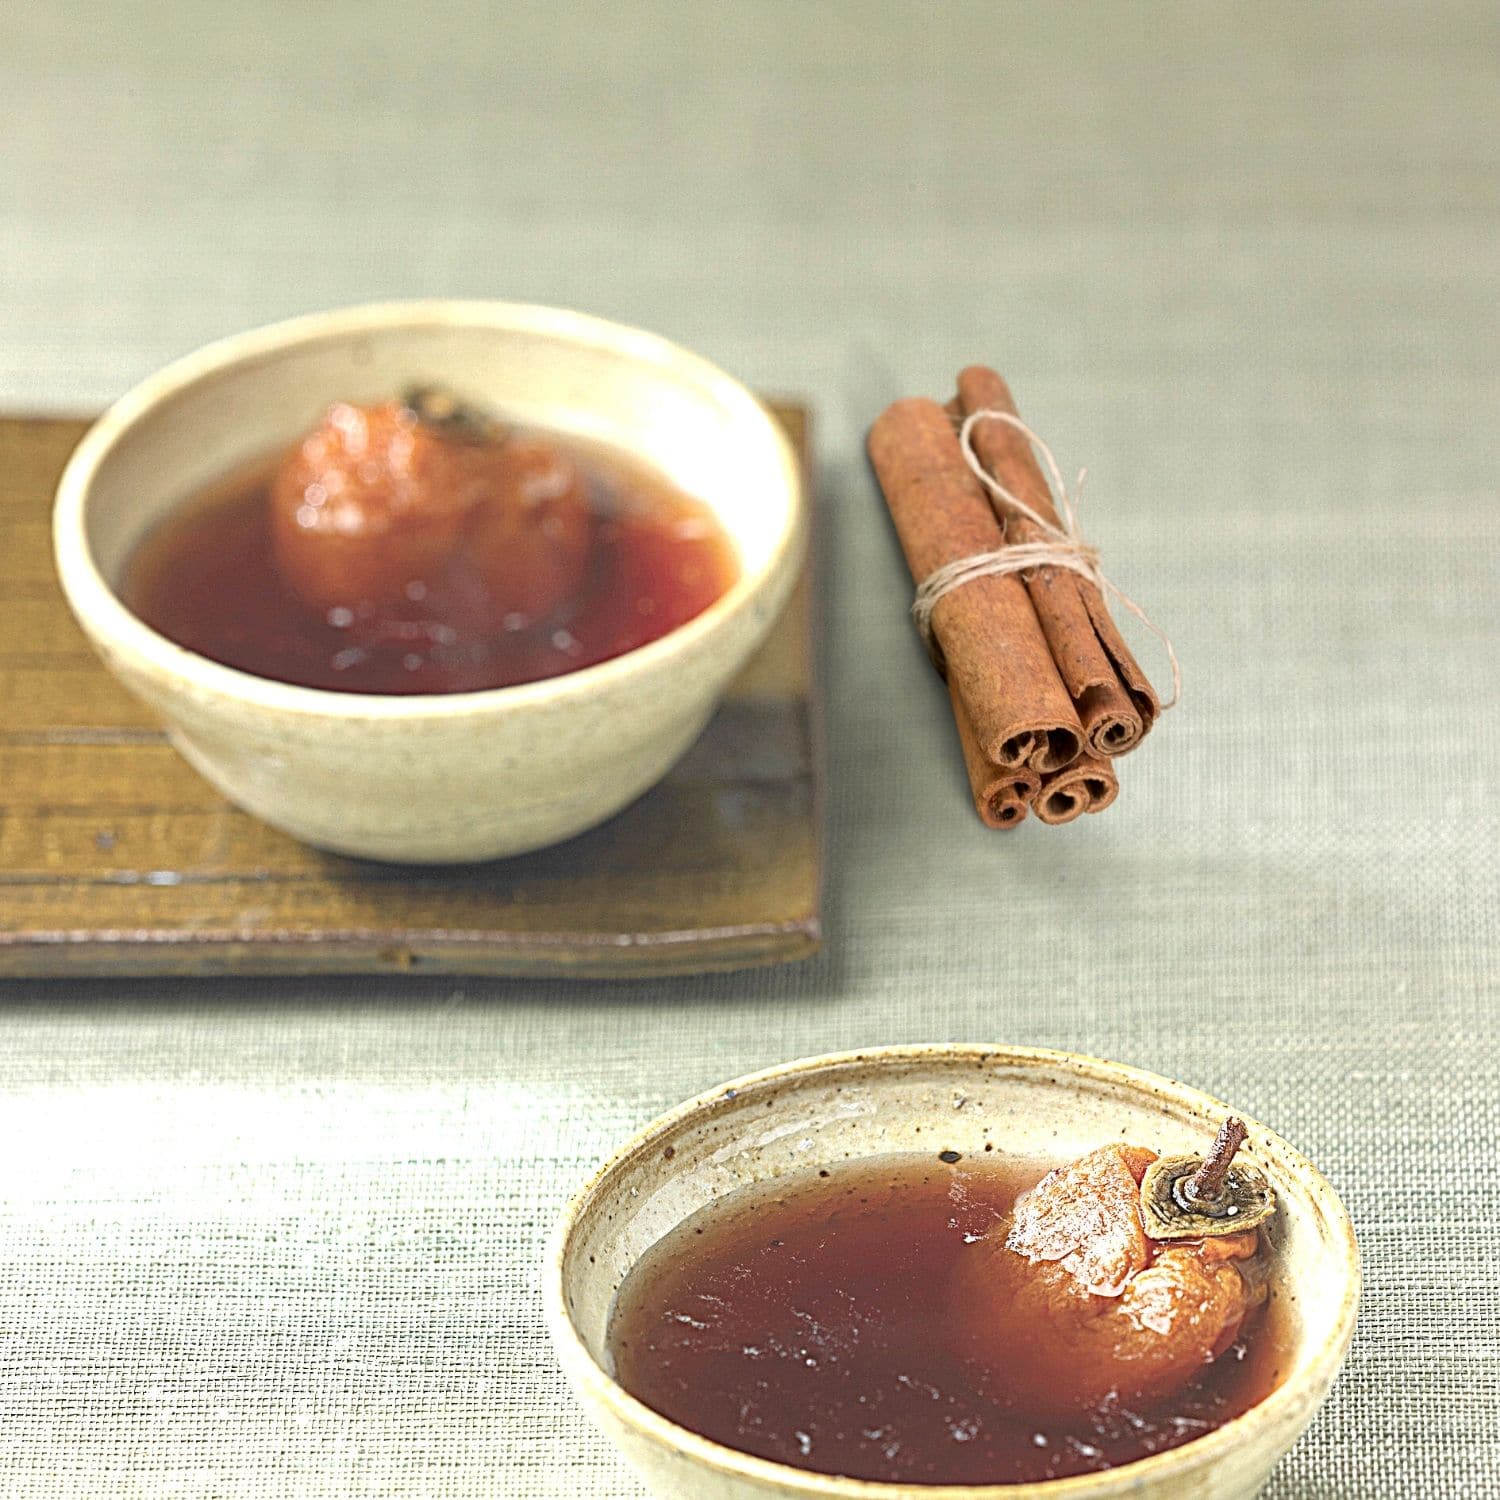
1030, 1103
460, 776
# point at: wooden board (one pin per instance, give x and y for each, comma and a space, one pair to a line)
117, 858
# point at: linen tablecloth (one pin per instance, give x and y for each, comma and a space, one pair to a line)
1242, 261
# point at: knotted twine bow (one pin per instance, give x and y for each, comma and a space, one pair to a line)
1063, 547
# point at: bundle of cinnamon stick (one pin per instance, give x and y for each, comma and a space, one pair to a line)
1046, 693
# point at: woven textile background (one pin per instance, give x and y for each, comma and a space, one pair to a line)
1244, 261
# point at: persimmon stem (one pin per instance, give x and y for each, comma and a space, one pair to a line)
1206, 1185
437, 407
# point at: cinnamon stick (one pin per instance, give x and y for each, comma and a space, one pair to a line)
1002, 798
1089, 785
1115, 701
996, 657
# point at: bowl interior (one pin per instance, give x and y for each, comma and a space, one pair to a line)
236, 402
1033, 1105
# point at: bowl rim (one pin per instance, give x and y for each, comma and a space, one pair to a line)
1282, 1409
114, 626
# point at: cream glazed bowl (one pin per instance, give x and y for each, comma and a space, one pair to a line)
1034, 1104
459, 776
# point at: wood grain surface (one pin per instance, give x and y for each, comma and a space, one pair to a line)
117, 858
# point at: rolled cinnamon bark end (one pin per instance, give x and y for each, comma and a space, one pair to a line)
1111, 723
1115, 700
1089, 785
1042, 750
1002, 797
995, 655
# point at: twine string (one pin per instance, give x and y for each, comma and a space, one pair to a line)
1062, 546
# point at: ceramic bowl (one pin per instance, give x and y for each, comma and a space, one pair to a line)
459, 776
1031, 1103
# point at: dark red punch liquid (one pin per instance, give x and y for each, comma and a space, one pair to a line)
804, 1324
206, 578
